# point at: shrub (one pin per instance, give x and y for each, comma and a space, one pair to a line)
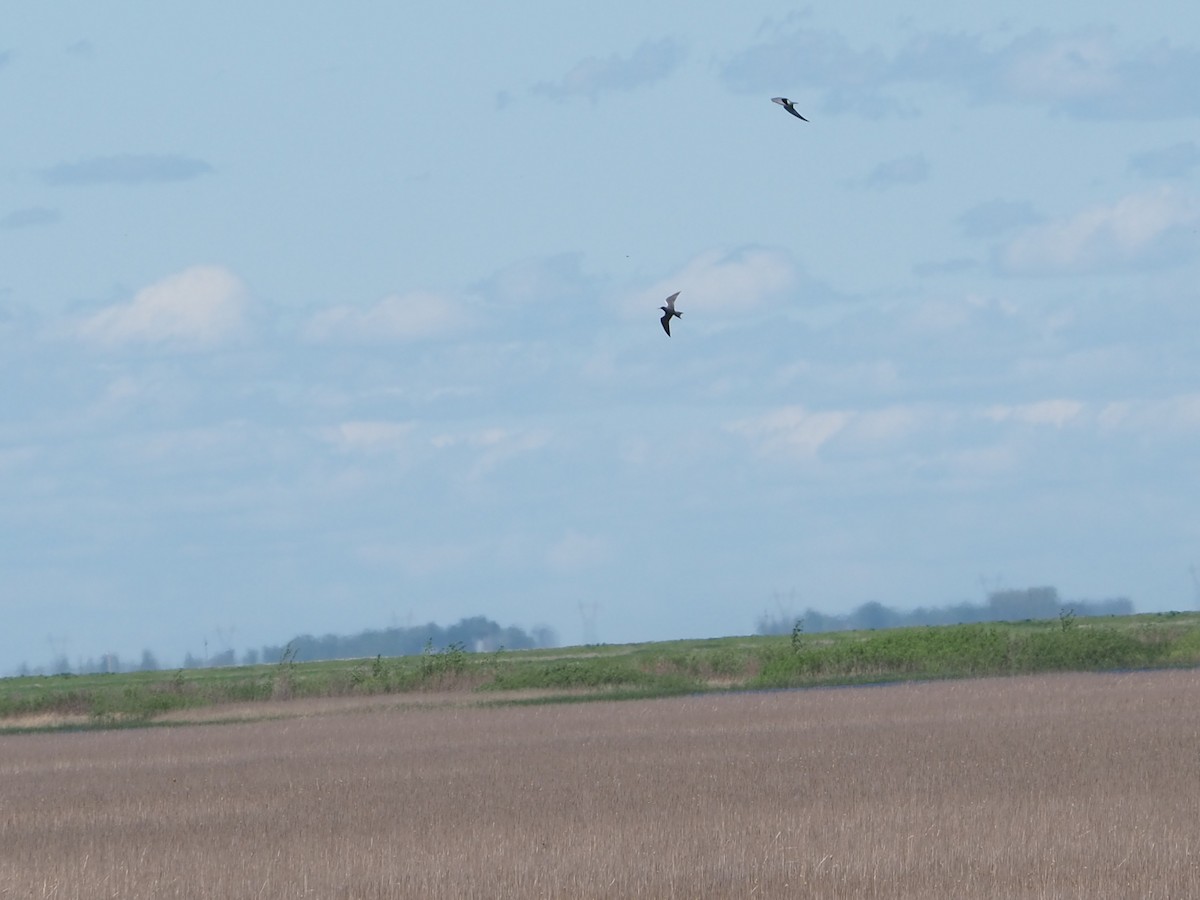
571, 673
1080, 649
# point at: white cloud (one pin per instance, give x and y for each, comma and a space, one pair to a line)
483, 448
938, 443
941, 315
1042, 412
720, 281
203, 305
194, 448
1140, 229
964, 440
792, 430
886, 425
398, 317
535, 281
370, 436
1087, 74
1057, 68
120, 394
1177, 415
493, 446
798, 433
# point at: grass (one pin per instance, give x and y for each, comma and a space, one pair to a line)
630, 670
1068, 785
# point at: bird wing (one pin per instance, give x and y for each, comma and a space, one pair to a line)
789, 106
666, 323
671, 301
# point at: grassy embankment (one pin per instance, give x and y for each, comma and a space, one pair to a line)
632, 670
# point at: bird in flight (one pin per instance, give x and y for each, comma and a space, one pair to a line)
789, 106
668, 312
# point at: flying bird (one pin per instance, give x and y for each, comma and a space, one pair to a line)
668, 312
789, 106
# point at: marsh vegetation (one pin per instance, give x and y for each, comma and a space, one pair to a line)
1069, 785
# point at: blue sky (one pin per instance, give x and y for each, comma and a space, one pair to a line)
323, 320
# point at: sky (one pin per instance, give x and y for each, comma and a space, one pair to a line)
319, 320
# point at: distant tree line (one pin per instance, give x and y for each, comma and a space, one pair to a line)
106, 663
477, 634
1000, 606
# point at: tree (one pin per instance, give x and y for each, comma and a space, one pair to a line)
1030, 603
874, 615
224, 658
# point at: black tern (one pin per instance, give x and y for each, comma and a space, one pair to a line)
789, 106
668, 312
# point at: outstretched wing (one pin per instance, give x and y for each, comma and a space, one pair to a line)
789, 106
671, 302
666, 323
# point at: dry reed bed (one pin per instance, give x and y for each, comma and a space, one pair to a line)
1051, 786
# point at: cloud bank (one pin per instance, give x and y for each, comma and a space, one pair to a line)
651, 62
30, 217
718, 280
126, 169
200, 306
1083, 73
1139, 230
398, 317
1176, 161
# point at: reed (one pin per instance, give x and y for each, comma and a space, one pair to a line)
1074, 785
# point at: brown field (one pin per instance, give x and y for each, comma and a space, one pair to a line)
1055, 786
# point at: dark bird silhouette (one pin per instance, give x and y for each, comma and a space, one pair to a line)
668, 312
789, 106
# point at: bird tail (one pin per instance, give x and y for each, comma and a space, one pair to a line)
678, 315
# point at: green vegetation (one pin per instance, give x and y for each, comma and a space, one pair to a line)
958, 651
1068, 643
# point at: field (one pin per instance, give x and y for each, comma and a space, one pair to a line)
1161, 640
1064, 785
